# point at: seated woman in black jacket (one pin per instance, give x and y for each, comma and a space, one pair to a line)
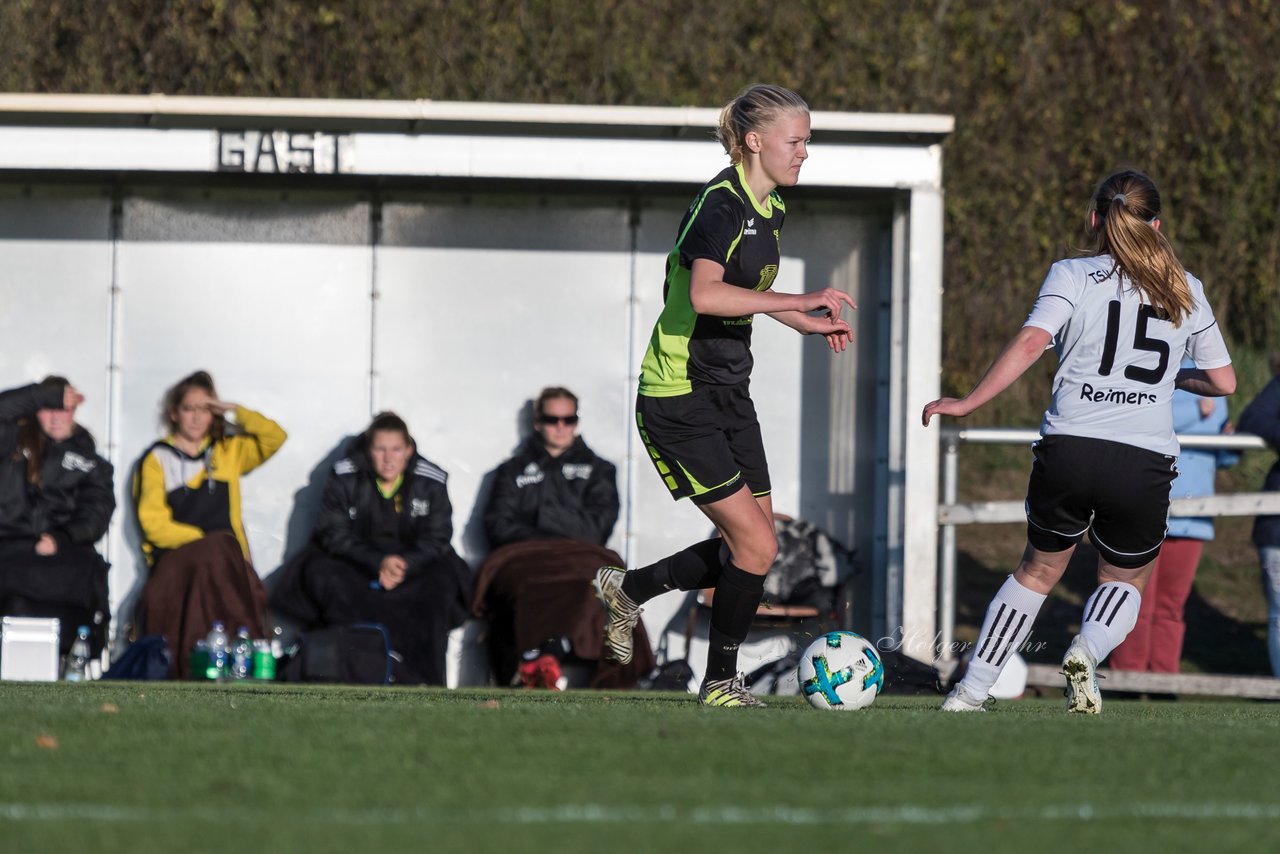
381, 551
555, 486
56, 500
551, 510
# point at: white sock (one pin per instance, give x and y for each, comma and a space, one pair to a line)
1109, 616
1007, 626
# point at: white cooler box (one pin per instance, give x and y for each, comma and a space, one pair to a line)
29, 649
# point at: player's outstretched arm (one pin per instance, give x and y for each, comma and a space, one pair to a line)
709, 294
1020, 353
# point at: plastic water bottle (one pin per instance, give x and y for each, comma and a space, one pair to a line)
219, 663
264, 663
242, 654
78, 657
200, 659
277, 643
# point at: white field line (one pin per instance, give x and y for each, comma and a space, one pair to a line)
722, 815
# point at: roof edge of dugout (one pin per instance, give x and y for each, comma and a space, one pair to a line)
425, 116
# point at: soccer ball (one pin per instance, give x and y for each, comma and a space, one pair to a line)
841, 670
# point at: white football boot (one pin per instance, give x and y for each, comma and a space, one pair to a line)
1083, 696
959, 700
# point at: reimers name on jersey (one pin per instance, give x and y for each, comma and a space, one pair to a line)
1116, 395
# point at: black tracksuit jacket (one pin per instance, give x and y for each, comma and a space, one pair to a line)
75, 499
346, 525
536, 496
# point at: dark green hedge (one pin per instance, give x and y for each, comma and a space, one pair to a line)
1047, 98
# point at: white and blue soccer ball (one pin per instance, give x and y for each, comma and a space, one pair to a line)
841, 670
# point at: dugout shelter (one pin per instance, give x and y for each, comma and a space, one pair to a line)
326, 260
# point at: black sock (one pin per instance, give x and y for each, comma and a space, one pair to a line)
688, 569
733, 609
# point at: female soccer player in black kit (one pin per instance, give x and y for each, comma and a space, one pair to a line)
694, 411
1121, 320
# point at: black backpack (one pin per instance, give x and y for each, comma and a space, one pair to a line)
358, 654
808, 568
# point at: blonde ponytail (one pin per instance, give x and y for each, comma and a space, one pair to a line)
1126, 204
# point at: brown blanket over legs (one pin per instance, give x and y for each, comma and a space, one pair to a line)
192, 586
542, 589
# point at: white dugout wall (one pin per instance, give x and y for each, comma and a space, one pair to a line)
447, 261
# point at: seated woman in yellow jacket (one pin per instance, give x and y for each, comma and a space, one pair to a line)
188, 495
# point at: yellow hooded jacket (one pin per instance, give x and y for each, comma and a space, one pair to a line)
181, 498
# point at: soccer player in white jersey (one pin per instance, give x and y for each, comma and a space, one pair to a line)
1120, 320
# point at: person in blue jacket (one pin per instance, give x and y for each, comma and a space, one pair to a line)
1155, 644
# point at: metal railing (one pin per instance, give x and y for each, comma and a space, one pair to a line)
951, 514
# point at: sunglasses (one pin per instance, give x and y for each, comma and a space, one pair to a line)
548, 420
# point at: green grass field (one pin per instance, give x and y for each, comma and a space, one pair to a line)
192, 767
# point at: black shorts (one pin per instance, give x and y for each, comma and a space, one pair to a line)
1118, 493
706, 445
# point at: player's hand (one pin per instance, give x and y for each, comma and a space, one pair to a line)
221, 407
46, 546
839, 339
838, 333
958, 407
1206, 405
829, 300
71, 397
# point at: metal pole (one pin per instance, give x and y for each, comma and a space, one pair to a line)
947, 545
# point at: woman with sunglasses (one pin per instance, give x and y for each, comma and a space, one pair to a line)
551, 509
694, 409
555, 486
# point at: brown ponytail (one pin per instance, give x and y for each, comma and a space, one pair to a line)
1125, 204
387, 422
31, 446
32, 442
173, 399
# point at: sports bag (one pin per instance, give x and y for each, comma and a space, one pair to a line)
358, 654
146, 658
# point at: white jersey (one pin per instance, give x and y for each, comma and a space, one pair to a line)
1117, 361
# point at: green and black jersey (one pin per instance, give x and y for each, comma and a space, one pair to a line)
727, 225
